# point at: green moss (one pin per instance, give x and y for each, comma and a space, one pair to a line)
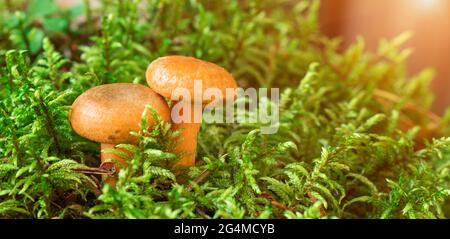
355, 140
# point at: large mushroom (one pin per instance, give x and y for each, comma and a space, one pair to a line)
167, 74
108, 113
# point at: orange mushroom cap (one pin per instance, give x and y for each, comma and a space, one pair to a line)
108, 113
168, 73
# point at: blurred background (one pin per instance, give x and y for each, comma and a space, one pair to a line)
429, 20
377, 19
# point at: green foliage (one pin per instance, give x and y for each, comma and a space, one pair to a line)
355, 139
27, 27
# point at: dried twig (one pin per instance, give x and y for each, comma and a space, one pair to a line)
275, 203
199, 179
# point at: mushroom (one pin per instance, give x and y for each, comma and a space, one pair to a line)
167, 74
107, 113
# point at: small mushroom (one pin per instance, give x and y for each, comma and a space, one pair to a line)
166, 74
108, 113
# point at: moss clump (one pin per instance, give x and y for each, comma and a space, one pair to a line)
356, 139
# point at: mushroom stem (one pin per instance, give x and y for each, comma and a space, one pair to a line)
107, 160
187, 145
